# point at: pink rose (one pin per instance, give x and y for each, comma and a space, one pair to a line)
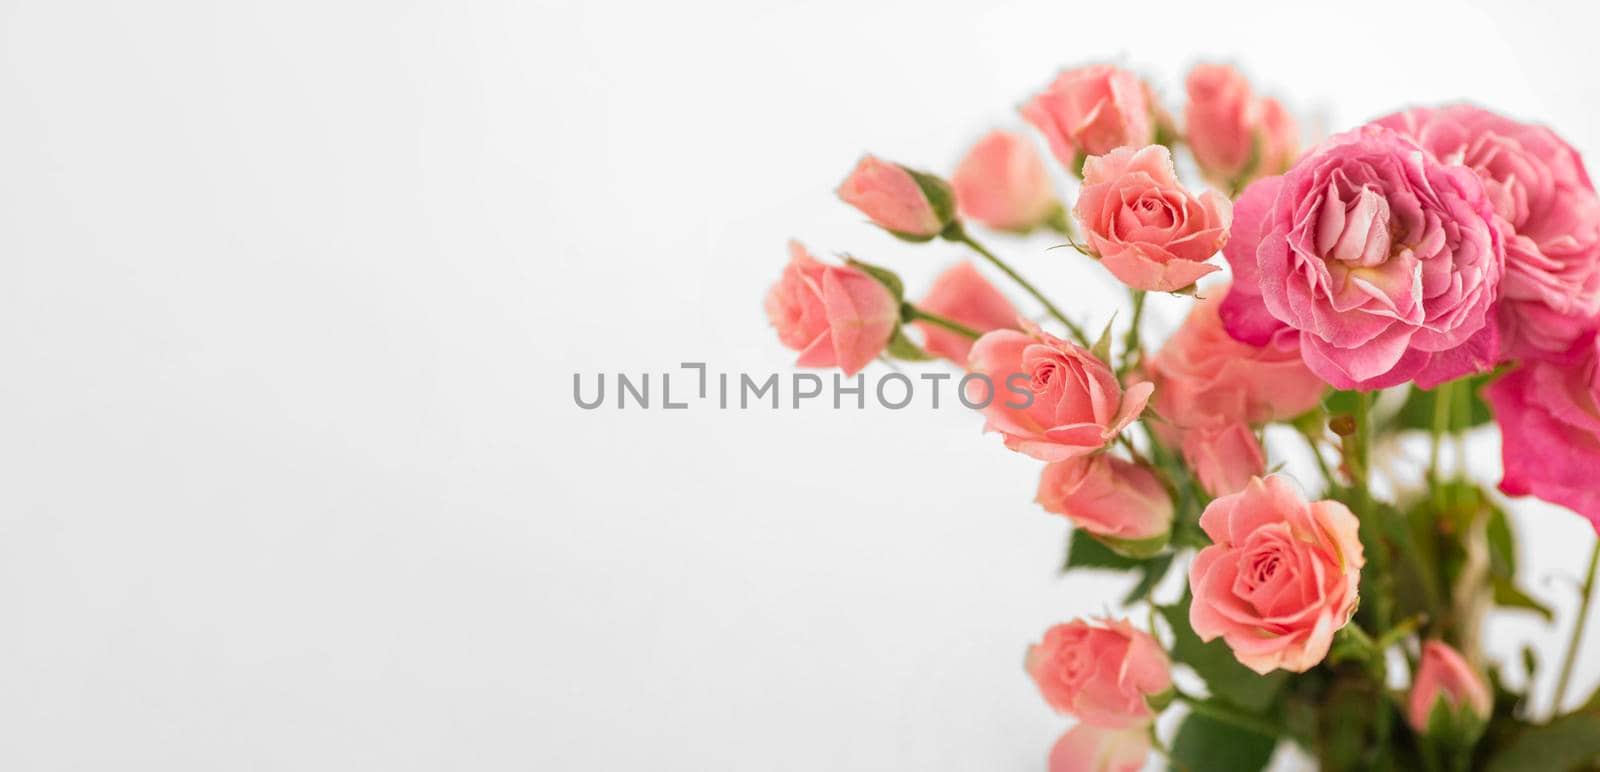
1049, 398
1089, 748
1205, 377
1100, 671
1091, 111
1280, 576
1385, 260
1224, 458
1549, 416
1120, 502
1147, 230
831, 314
1540, 191
1444, 675
1003, 184
910, 204
1234, 135
962, 294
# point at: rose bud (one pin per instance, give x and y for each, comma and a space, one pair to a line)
1089, 748
910, 204
1091, 111
963, 295
1003, 183
1280, 577
1211, 388
1234, 135
1146, 229
1101, 671
1120, 503
1049, 398
834, 315
1549, 417
1550, 295
1446, 685
1385, 260
1224, 458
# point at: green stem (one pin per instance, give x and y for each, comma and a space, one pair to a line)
1132, 350
1441, 426
959, 235
1577, 628
1322, 463
911, 313
1228, 715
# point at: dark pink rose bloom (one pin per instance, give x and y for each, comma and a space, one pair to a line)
1386, 261
1540, 191
1549, 416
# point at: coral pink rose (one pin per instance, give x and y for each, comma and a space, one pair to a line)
1049, 398
910, 204
833, 315
1224, 458
1386, 261
1121, 503
1280, 577
962, 294
1539, 189
1147, 230
1444, 675
1235, 136
1091, 111
1003, 184
1100, 671
1205, 377
1089, 748
1549, 416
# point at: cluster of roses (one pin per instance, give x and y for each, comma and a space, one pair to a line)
1423, 247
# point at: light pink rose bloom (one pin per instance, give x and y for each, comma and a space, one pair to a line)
1444, 675
1235, 135
1118, 501
1540, 191
1100, 671
1206, 377
962, 294
905, 202
1280, 577
1549, 416
1145, 228
834, 315
1224, 458
1089, 748
1385, 260
1091, 111
1051, 399
1003, 183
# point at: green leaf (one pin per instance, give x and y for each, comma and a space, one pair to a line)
1507, 595
1569, 742
1465, 409
938, 192
1204, 743
1102, 347
901, 347
886, 277
1085, 551
1214, 662
1152, 572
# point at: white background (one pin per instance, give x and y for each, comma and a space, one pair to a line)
291, 298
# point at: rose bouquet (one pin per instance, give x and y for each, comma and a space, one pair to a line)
1428, 272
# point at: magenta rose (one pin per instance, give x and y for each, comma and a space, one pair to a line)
1540, 191
1385, 260
1049, 398
1147, 230
1549, 416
